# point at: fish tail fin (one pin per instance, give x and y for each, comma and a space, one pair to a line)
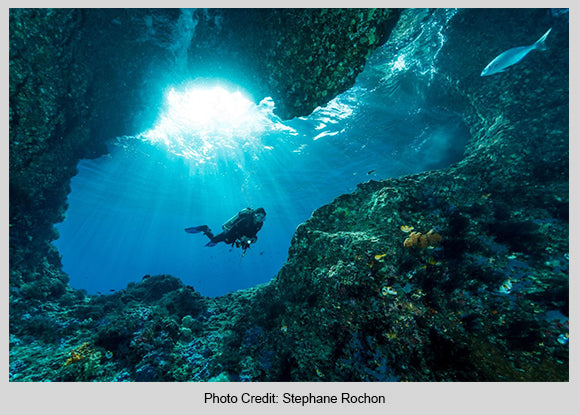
541, 43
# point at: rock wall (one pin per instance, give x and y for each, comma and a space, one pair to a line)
455, 274
78, 78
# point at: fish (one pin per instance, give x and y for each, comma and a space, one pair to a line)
388, 291
563, 338
506, 287
433, 261
512, 56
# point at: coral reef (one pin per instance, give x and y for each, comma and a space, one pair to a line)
351, 303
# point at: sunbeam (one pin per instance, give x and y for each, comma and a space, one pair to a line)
204, 123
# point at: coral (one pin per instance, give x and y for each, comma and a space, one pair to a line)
419, 240
80, 353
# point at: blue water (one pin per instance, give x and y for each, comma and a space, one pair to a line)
128, 210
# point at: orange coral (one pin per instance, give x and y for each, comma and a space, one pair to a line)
419, 240
412, 240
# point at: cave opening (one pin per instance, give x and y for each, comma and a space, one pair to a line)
212, 151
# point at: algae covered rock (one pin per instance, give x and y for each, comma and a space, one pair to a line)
67, 67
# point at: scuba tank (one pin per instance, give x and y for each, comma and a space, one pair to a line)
233, 220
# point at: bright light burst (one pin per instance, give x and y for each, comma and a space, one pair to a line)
203, 123
400, 63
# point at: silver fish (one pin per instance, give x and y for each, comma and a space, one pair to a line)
512, 56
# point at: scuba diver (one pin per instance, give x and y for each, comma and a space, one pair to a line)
240, 230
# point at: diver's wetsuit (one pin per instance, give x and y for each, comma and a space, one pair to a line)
244, 230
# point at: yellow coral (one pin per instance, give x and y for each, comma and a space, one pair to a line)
417, 239
79, 353
412, 240
432, 238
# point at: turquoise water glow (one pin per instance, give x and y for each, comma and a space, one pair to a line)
211, 152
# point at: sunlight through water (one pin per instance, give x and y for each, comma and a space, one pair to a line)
204, 123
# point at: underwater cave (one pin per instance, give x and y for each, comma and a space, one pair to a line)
359, 131
213, 152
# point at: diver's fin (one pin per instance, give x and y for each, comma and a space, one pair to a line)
211, 244
196, 229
